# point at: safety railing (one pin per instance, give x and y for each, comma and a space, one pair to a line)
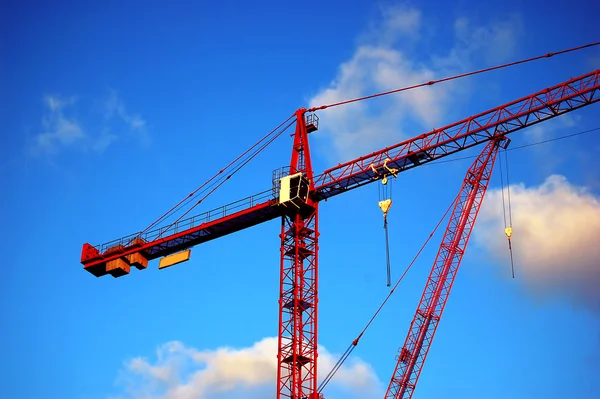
186, 224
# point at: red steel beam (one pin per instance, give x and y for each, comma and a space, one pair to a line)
178, 237
549, 103
298, 297
527, 111
412, 355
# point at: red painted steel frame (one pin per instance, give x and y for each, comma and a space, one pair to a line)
538, 107
297, 356
297, 343
535, 108
412, 355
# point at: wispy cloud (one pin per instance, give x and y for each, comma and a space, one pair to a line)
386, 59
115, 108
495, 42
542, 131
102, 142
59, 130
117, 119
555, 241
181, 372
68, 124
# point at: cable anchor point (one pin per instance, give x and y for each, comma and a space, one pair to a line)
392, 171
384, 175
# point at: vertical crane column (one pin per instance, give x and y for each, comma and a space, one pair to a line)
412, 355
297, 352
297, 369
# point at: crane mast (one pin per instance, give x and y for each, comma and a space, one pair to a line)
425, 322
297, 342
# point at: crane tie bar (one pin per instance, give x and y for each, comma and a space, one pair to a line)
476, 72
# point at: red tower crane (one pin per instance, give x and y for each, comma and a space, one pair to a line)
295, 198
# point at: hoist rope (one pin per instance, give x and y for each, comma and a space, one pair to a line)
385, 194
387, 252
354, 343
506, 226
476, 72
508, 189
512, 263
191, 196
502, 190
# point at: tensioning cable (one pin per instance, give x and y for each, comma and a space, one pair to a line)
354, 343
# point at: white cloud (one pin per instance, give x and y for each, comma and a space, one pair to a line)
103, 142
402, 19
361, 127
496, 41
116, 114
57, 103
542, 131
62, 128
398, 22
59, 130
555, 240
181, 372
386, 60
115, 107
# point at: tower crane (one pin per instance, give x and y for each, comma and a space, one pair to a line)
295, 199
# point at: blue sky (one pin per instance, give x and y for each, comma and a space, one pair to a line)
112, 113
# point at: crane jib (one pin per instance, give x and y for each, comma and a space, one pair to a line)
518, 114
428, 147
508, 118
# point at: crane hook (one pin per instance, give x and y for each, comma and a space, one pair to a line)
385, 206
508, 232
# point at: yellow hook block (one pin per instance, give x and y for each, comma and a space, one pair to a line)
385, 206
508, 232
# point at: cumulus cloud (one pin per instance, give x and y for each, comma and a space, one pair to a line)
363, 126
386, 60
181, 372
556, 232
